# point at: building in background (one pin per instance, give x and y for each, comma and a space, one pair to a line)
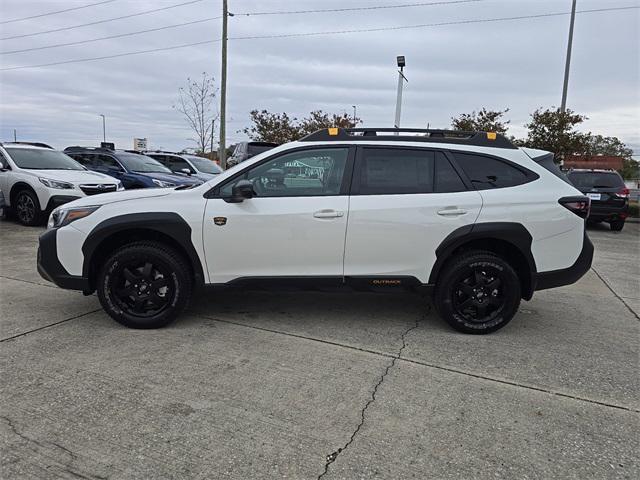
605, 162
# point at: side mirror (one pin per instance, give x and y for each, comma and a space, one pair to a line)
242, 190
186, 171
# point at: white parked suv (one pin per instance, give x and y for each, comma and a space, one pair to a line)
36, 178
465, 216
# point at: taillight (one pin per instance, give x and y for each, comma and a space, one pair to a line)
578, 205
624, 193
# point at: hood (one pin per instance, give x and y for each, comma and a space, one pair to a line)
171, 177
74, 176
111, 197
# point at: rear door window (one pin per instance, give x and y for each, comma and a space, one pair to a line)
389, 171
446, 178
487, 172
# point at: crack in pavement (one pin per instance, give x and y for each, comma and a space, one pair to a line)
457, 371
50, 325
332, 457
615, 293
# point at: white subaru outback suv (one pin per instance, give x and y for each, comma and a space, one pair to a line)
35, 179
465, 216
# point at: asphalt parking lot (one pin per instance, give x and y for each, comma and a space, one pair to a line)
331, 385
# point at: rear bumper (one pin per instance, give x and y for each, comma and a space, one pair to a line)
567, 276
608, 212
50, 268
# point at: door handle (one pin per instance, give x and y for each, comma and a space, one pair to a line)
451, 212
328, 214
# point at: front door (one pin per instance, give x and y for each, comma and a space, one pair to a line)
294, 226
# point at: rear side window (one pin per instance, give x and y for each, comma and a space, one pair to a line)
585, 180
447, 179
486, 172
396, 171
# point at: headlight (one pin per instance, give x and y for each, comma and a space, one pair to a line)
55, 183
162, 184
119, 186
62, 216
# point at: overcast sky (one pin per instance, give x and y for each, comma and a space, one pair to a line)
515, 64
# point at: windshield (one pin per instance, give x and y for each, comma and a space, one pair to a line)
141, 163
37, 159
204, 165
586, 180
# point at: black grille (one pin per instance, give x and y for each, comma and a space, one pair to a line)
98, 188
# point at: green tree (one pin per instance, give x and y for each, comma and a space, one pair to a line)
484, 121
281, 128
555, 131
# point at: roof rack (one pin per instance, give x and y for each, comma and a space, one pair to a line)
480, 139
33, 144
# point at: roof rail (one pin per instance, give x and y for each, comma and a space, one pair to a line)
33, 144
480, 139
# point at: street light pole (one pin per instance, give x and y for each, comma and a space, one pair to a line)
104, 129
563, 105
401, 80
354, 115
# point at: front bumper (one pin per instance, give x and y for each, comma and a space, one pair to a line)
567, 276
57, 200
50, 268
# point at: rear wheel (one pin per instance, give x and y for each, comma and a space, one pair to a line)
144, 285
27, 208
616, 225
478, 292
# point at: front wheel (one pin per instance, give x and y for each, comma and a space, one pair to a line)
144, 285
27, 208
478, 292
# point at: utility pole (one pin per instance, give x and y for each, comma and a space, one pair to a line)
213, 123
354, 115
223, 88
401, 80
104, 129
563, 105
15, 135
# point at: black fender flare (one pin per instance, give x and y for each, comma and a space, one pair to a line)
167, 223
511, 232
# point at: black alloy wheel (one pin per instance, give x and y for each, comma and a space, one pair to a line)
144, 285
477, 292
27, 209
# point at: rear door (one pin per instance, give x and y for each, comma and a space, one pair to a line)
404, 202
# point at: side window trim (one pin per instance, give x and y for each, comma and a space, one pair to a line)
346, 177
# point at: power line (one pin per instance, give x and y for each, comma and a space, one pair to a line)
351, 9
335, 32
138, 32
424, 25
101, 21
56, 12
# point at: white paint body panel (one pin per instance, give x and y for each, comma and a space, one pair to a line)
275, 237
398, 234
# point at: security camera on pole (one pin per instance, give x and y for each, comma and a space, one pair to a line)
401, 80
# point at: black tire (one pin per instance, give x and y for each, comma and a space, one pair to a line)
617, 225
477, 292
26, 207
144, 285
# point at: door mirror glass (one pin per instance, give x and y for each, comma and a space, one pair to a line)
241, 190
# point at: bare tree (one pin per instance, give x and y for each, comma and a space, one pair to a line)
197, 102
